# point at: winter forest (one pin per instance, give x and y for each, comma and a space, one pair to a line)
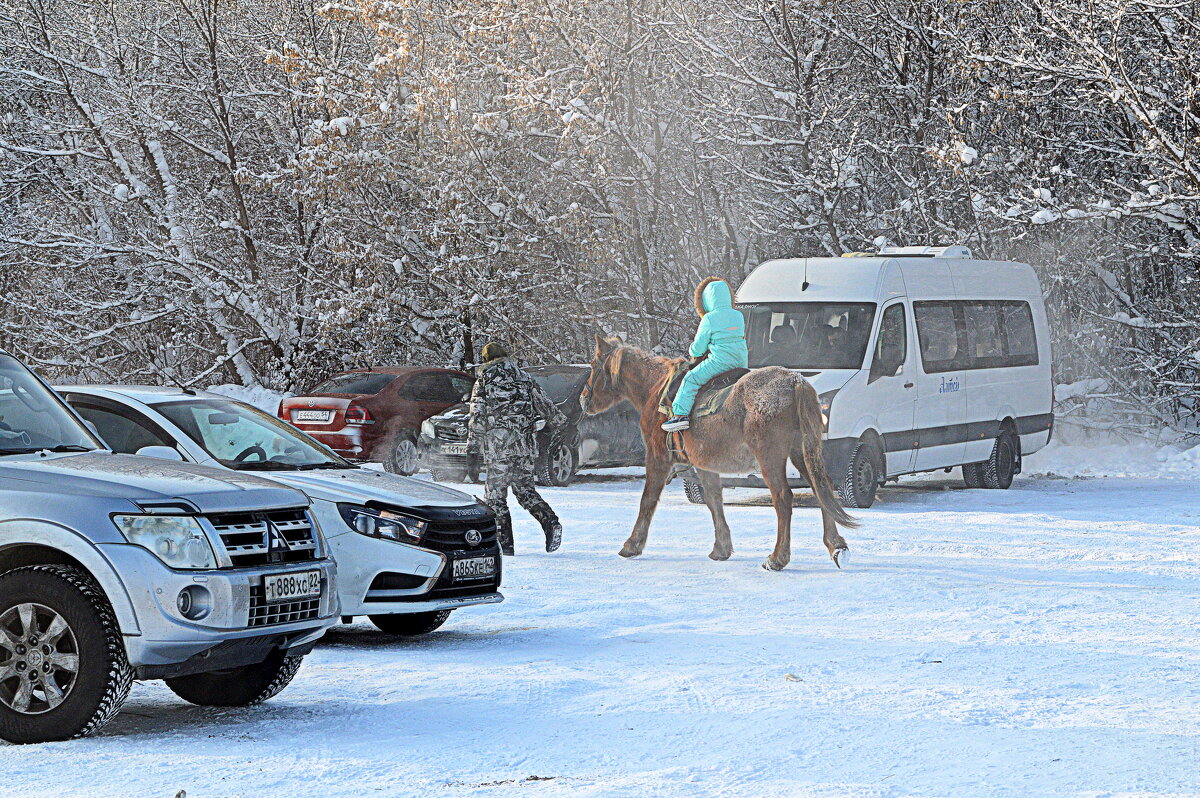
265, 191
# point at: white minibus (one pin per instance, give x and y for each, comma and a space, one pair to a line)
924, 359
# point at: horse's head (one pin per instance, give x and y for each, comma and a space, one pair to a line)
601, 391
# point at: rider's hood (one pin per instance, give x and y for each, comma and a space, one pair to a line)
144, 479
362, 485
713, 294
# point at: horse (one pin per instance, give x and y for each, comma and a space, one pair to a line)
771, 415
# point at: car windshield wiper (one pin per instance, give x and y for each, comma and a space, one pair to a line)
62, 447
322, 465
258, 465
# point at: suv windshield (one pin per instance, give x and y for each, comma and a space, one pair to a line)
560, 385
32, 417
355, 383
809, 335
244, 438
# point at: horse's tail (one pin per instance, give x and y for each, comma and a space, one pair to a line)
808, 414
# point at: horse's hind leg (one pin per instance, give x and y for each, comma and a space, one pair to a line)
710, 484
774, 471
656, 480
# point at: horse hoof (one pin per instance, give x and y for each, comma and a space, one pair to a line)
629, 553
771, 565
718, 555
841, 557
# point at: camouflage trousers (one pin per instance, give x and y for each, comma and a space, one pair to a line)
516, 474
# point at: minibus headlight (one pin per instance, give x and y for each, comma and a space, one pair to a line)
177, 540
826, 400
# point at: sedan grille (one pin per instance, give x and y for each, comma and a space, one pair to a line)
249, 541
452, 535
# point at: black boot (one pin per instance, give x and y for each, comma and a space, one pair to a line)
553, 536
504, 534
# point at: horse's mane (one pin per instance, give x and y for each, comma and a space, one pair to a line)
648, 362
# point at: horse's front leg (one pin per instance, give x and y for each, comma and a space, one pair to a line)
657, 471
710, 485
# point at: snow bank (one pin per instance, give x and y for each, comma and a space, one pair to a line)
1113, 457
263, 398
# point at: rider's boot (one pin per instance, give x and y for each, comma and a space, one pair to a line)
677, 424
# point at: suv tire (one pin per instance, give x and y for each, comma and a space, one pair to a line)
37, 599
238, 687
410, 624
861, 480
557, 464
999, 469
448, 475
403, 457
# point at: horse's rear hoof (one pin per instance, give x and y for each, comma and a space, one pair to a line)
840, 557
771, 565
719, 556
629, 553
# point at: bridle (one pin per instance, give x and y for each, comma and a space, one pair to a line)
606, 377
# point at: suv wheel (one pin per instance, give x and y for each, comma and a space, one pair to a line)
64, 673
410, 624
862, 476
448, 475
238, 687
999, 469
403, 458
557, 464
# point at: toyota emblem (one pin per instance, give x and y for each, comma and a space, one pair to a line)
312, 402
473, 537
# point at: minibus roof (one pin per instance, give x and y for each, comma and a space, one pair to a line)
876, 279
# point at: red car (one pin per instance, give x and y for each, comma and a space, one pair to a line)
376, 414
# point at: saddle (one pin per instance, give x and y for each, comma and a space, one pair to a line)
711, 397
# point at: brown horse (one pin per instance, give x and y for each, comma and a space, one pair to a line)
771, 415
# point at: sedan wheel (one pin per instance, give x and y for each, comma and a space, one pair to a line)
404, 458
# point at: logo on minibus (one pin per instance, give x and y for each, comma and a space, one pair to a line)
949, 385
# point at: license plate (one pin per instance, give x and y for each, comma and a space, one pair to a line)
474, 568
454, 448
319, 416
289, 587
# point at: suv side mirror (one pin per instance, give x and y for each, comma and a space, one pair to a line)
161, 452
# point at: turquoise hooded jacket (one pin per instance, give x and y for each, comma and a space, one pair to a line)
720, 340
722, 332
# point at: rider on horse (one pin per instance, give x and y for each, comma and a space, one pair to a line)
720, 342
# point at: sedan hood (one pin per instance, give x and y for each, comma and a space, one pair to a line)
145, 479
362, 485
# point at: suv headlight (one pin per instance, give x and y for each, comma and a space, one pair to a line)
427, 429
383, 524
177, 540
826, 400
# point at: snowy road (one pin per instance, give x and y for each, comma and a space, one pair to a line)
1039, 641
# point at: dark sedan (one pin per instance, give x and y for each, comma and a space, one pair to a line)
607, 440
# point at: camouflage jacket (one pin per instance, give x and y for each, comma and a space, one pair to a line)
506, 404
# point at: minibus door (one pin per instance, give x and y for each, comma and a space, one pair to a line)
890, 390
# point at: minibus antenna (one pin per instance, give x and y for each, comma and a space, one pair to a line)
804, 284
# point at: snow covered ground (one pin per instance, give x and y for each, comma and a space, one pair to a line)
1036, 641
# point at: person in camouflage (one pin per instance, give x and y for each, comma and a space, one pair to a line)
507, 410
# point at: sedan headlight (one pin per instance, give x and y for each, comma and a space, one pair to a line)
826, 400
383, 523
177, 540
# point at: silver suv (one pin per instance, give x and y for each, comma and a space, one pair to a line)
115, 567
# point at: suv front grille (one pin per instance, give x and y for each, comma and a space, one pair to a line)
247, 539
450, 432
264, 614
452, 535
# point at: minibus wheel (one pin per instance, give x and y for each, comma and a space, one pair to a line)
973, 475
999, 469
861, 479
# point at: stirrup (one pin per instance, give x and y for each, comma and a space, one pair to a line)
677, 424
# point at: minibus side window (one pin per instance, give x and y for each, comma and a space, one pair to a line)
1017, 321
938, 333
985, 339
891, 345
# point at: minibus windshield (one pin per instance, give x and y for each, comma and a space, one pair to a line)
809, 335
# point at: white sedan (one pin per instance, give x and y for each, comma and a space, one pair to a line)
408, 551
